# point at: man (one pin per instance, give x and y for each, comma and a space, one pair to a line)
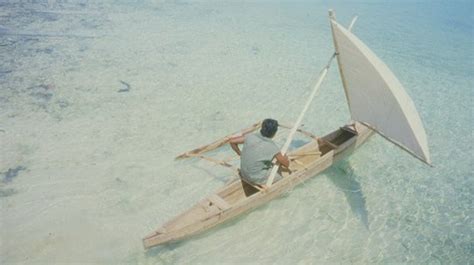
258, 152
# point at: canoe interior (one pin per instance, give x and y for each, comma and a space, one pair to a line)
237, 192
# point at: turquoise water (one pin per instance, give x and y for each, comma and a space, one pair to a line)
87, 171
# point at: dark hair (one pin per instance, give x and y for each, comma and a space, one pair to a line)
269, 128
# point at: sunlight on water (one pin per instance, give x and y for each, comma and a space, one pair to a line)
98, 97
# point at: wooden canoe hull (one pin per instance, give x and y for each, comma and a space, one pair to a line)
231, 200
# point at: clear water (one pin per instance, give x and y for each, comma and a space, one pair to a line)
92, 169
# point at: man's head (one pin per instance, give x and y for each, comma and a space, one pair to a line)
269, 128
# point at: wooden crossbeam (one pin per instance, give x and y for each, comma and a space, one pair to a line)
216, 144
305, 154
216, 161
310, 135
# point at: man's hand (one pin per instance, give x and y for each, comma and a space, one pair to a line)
263, 187
283, 160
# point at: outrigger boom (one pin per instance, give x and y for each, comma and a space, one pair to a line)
218, 143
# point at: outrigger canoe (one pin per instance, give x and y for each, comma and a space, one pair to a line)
239, 197
377, 103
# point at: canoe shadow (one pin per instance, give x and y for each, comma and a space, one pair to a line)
342, 175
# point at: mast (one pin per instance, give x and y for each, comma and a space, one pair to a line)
293, 130
332, 17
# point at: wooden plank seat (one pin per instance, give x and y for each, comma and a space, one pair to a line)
219, 202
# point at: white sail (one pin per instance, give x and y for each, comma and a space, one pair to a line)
375, 96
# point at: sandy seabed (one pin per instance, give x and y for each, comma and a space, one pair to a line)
97, 99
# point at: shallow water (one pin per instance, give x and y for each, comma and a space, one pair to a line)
97, 169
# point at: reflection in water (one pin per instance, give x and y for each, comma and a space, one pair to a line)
297, 143
342, 175
224, 178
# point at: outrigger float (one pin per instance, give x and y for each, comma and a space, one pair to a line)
377, 103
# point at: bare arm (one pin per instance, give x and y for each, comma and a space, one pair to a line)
234, 143
283, 160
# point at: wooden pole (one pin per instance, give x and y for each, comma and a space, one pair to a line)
293, 130
323, 74
218, 143
306, 133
